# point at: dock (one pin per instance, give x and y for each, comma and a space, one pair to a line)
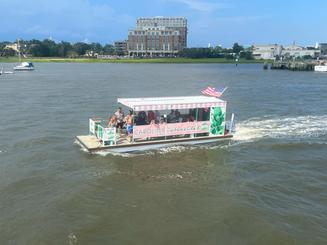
293, 65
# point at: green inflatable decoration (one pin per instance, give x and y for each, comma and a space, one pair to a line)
217, 118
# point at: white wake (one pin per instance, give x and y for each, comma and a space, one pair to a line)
295, 127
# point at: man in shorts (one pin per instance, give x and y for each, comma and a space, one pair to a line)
129, 122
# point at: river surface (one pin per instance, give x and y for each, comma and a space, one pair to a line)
267, 186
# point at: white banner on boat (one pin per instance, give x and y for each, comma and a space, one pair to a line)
91, 126
170, 129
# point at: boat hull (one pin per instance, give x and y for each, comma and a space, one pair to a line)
321, 68
23, 69
146, 146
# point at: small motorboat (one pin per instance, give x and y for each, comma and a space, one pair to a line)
25, 66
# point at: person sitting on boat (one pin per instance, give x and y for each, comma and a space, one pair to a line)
151, 116
157, 113
112, 122
171, 116
191, 118
177, 116
141, 118
129, 123
120, 119
162, 120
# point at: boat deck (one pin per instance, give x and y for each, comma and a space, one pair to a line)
89, 141
92, 142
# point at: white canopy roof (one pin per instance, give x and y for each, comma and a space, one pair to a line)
167, 103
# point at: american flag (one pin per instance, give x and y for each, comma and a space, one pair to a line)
210, 91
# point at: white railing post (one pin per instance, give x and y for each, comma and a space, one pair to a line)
91, 127
231, 123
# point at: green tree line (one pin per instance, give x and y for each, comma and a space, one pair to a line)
49, 48
237, 51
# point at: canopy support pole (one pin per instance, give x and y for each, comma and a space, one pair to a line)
196, 117
133, 119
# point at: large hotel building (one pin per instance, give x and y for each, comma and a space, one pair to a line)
157, 36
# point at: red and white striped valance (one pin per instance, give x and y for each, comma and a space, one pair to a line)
176, 106
171, 103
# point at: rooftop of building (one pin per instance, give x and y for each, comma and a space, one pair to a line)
161, 18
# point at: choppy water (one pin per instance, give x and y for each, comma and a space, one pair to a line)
267, 186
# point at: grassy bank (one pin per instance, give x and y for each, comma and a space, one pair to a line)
158, 60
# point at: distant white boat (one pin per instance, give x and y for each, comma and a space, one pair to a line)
24, 66
321, 68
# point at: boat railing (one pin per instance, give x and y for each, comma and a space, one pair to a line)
107, 135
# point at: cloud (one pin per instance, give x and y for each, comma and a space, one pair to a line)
242, 18
73, 20
202, 6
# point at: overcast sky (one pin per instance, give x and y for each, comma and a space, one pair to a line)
216, 22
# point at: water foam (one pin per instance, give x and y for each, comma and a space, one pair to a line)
81, 146
72, 239
164, 150
174, 148
106, 153
290, 127
103, 153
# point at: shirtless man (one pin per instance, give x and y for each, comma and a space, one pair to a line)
129, 122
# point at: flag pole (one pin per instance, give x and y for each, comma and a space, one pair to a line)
224, 90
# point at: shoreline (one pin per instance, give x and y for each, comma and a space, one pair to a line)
137, 60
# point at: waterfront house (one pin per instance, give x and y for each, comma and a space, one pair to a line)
266, 51
298, 51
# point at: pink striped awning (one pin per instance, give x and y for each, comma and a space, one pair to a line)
169, 103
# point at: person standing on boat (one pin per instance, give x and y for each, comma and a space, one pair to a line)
129, 122
120, 119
